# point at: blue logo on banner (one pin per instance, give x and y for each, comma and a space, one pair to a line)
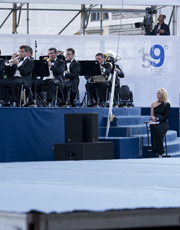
153, 51
160, 56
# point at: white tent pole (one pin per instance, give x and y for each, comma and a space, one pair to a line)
178, 20
110, 115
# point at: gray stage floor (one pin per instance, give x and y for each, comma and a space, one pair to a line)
66, 186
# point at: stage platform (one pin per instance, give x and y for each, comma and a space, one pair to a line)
28, 134
102, 194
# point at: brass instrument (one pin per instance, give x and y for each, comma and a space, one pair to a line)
101, 78
113, 55
9, 62
47, 58
51, 75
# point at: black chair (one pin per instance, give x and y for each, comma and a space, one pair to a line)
42, 98
66, 98
125, 96
23, 95
96, 101
148, 136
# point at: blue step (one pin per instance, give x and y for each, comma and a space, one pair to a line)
132, 125
171, 135
124, 147
123, 131
173, 147
121, 112
128, 120
126, 111
176, 154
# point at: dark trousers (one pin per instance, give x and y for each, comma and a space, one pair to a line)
101, 87
15, 84
51, 87
68, 88
72, 95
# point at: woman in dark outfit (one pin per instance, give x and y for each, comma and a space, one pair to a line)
160, 111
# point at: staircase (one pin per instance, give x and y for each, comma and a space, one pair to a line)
129, 135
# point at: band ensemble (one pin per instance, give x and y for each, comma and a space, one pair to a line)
61, 86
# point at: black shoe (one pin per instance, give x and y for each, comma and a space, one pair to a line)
102, 104
6, 103
28, 103
14, 104
93, 103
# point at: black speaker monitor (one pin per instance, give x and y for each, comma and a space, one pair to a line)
81, 127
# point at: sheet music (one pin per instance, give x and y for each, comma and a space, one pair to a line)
153, 122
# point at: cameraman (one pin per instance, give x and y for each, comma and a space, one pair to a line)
161, 28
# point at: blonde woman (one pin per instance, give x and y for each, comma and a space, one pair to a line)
160, 111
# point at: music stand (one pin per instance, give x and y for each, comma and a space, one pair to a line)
41, 69
43, 56
6, 57
89, 68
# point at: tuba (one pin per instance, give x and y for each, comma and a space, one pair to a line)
103, 77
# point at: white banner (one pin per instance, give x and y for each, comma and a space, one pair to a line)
148, 62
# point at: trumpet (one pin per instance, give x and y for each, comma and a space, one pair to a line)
47, 58
9, 62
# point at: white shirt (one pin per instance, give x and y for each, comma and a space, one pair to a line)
17, 73
159, 27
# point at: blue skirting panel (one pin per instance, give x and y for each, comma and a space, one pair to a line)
124, 148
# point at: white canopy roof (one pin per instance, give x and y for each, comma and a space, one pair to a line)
103, 2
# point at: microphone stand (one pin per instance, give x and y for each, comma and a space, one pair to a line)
35, 49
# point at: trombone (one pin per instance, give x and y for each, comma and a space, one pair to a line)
9, 62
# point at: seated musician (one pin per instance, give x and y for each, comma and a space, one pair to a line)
101, 82
19, 72
119, 74
56, 68
71, 75
2, 67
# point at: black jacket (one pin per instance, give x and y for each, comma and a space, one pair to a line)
163, 27
73, 75
108, 68
25, 69
2, 67
58, 70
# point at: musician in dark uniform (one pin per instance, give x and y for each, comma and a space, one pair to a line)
71, 75
100, 82
20, 71
56, 68
2, 67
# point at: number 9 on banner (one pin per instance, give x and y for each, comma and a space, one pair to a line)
154, 56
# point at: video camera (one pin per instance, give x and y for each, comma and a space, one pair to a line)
148, 20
